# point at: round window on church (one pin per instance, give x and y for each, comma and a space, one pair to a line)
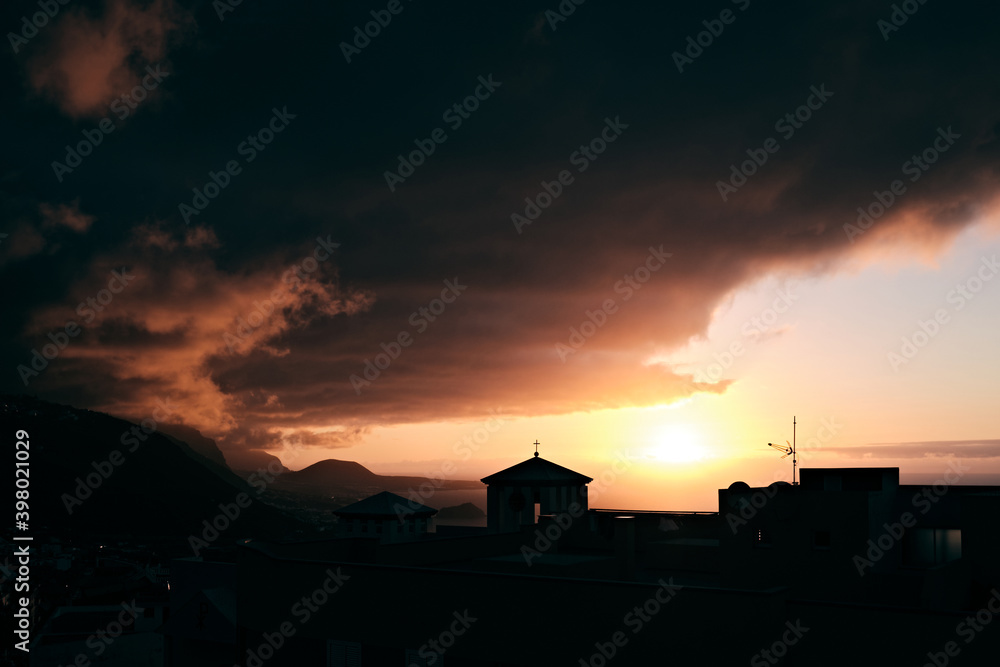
516, 501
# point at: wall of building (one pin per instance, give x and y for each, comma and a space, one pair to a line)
502, 515
530, 620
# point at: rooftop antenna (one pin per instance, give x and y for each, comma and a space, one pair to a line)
788, 449
536, 443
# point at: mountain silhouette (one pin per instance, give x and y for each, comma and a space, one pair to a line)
193, 438
347, 478
94, 474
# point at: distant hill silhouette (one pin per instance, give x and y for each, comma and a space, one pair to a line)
349, 478
334, 471
163, 487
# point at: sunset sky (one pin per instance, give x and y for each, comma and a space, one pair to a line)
255, 155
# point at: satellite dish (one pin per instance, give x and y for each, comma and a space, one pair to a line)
736, 489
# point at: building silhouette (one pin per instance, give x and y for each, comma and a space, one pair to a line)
847, 567
386, 515
517, 495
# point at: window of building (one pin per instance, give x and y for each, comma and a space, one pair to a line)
926, 547
343, 654
762, 538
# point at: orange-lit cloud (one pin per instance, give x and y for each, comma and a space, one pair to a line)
155, 336
68, 216
87, 61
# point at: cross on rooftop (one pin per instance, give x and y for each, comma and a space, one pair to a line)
536, 443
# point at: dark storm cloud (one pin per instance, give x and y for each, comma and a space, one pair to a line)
875, 103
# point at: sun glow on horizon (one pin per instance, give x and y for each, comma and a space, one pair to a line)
677, 443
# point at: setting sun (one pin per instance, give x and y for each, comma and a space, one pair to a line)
677, 444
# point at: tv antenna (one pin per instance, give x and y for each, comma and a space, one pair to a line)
788, 449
